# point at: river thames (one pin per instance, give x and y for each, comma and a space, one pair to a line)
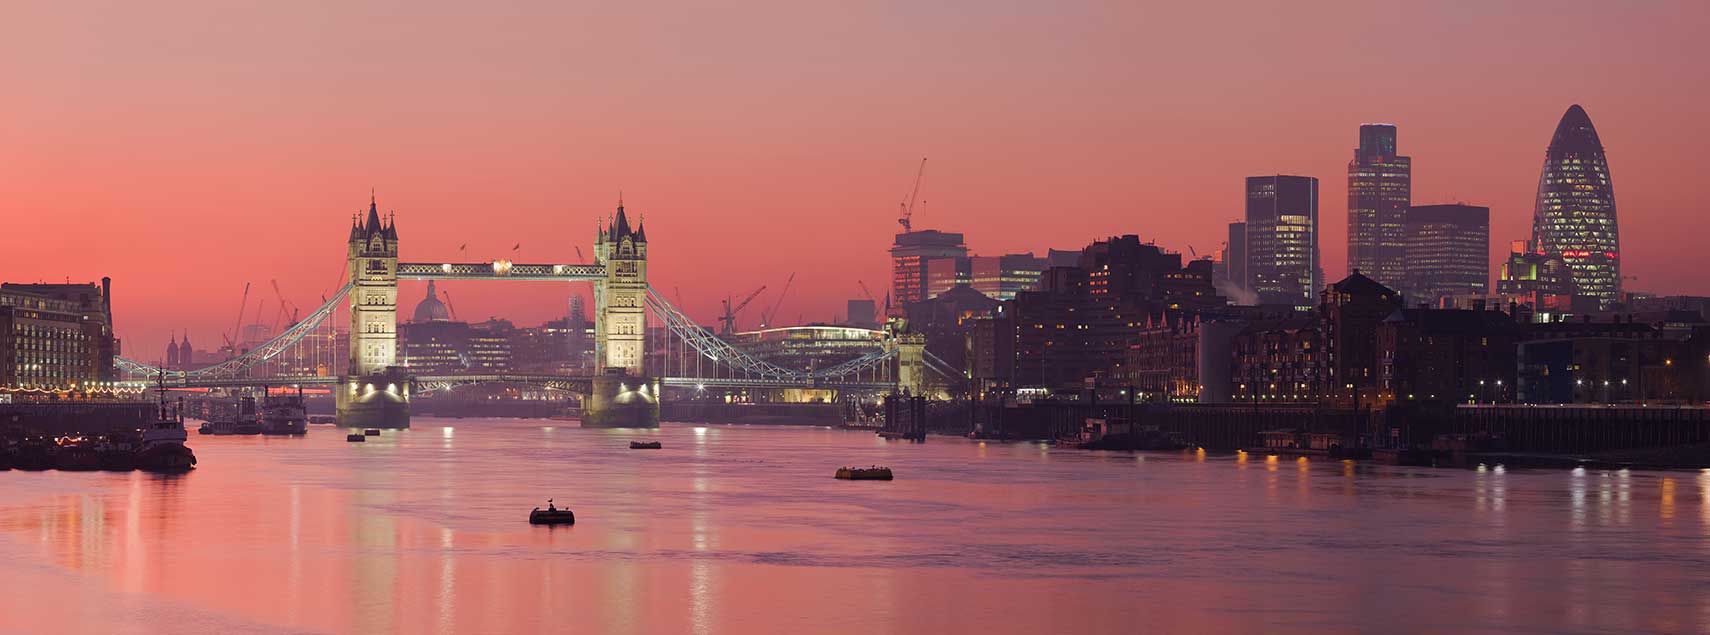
740, 529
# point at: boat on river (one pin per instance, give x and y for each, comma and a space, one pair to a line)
284, 414
645, 445
871, 473
163, 448
356, 437
552, 515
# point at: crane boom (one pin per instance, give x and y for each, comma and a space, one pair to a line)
771, 316
237, 334
730, 310
449, 307
867, 292
907, 213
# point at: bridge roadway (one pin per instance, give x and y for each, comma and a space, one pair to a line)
572, 383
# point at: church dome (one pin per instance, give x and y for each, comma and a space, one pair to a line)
430, 309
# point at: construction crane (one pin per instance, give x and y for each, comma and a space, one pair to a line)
231, 341
771, 316
284, 307
452, 310
579, 256
907, 212
730, 311
865, 291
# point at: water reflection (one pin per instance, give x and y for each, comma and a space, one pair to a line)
734, 529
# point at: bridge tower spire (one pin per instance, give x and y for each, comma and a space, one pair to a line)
375, 392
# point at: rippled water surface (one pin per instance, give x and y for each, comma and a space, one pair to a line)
733, 529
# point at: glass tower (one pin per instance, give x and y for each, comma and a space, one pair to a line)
1575, 214
1380, 188
1282, 239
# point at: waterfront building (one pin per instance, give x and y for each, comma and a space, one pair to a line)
1448, 354
56, 337
911, 253
1163, 362
1077, 328
1282, 239
1349, 313
1380, 189
1447, 249
1278, 360
1580, 361
809, 348
1574, 218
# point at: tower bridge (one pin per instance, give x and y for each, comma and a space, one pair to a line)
374, 390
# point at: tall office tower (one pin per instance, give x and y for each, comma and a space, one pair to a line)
1575, 213
1447, 251
1282, 239
1380, 188
910, 255
1235, 255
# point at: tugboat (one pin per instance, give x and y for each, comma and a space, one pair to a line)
284, 414
207, 427
163, 448
356, 437
552, 515
872, 473
645, 445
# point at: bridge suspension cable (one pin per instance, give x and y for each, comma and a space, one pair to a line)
238, 365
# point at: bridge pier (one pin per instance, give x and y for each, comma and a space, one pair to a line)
374, 401
622, 401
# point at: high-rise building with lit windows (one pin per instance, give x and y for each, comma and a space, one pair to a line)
1447, 252
1575, 214
1380, 189
1282, 239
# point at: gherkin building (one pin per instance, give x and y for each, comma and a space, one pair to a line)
1575, 213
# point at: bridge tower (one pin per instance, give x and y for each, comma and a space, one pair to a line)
623, 394
374, 392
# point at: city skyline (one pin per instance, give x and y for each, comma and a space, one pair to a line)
252, 187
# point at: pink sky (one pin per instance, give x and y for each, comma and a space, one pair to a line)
183, 150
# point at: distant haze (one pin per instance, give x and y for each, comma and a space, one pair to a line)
185, 149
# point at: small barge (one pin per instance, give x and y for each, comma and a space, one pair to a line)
873, 473
645, 445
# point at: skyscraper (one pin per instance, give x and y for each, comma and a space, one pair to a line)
1282, 239
1380, 188
1235, 255
910, 254
1575, 214
1447, 251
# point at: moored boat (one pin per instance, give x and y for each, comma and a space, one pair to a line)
645, 445
373, 432
163, 448
355, 437
284, 414
872, 473
76, 454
